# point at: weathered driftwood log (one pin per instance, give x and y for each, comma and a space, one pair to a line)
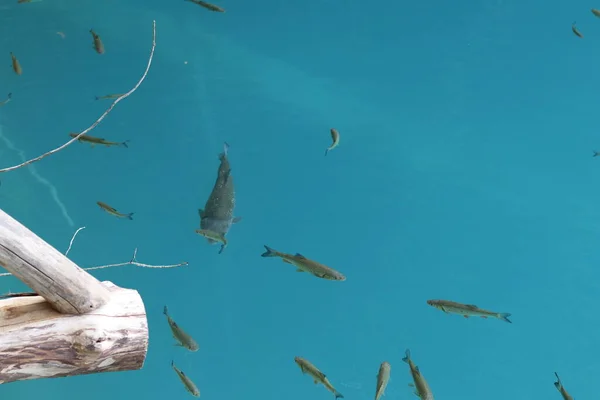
36, 341
68, 288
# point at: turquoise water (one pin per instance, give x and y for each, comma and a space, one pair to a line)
464, 172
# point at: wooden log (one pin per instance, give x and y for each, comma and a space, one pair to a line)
37, 342
68, 288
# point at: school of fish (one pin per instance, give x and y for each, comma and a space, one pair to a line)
217, 218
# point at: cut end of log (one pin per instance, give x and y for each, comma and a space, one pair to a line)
38, 342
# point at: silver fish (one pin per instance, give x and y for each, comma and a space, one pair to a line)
318, 377
383, 378
217, 215
422, 389
183, 338
187, 382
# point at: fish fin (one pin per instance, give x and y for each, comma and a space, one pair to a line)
315, 381
178, 345
417, 370
411, 384
286, 261
269, 253
416, 393
596, 154
471, 306
130, 216
300, 256
97, 97
406, 357
172, 363
222, 248
201, 213
504, 317
10, 95
166, 311
299, 270
326, 151
124, 144
557, 384
338, 395
225, 147
236, 220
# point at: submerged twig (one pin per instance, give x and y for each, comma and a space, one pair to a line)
133, 261
56, 150
72, 239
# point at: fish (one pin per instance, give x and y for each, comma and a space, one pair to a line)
109, 96
183, 339
596, 12
98, 45
335, 136
114, 212
217, 237
467, 310
217, 215
383, 378
318, 377
16, 66
422, 389
8, 99
558, 385
187, 382
576, 31
303, 264
94, 140
209, 6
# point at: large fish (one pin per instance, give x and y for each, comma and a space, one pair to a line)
217, 215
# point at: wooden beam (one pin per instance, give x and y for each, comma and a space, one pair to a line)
68, 288
38, 342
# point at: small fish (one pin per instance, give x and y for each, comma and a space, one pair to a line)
576, 31
110, 96
114, 212
467, 310
318, 377
98, 45
596, 12
209, 6
94, 140
421, 387
303, 264
382, 379
187, 382
16, 66
558, 385
8, 99
183, 339
335, 136
214, 236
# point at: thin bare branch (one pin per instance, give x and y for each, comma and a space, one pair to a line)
56, 150
72, 239
133, 262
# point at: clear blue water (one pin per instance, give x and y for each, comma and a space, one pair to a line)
464, 172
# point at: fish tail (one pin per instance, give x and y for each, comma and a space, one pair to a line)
225, 150
269, 253
222, 248
130, 216
338, 395
166, 311
596, 153
10, 95
504, 317
124, 144
406, 357
326, 151
97, 97
557, 384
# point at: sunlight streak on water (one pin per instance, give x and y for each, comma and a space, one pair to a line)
38, 177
